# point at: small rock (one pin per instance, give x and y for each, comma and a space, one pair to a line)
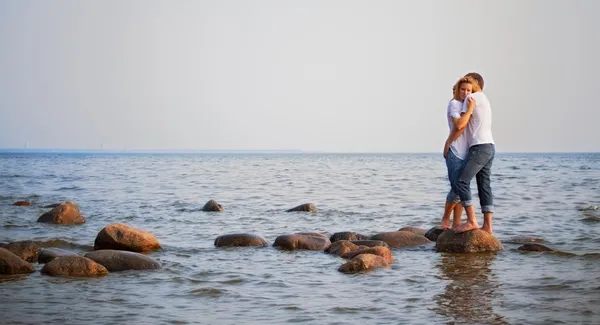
297, 241
347, 235
400, 238
363, 262
533, 247
370, 243
433, 233
22, 203
341, 247
240, 240
74, 265
306, 207
115, 261
12, 264
67, 213
212, 206
379, 251
414, 230
474, 241
48, 254
27, 250
122, 237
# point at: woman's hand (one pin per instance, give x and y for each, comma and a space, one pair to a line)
446, 148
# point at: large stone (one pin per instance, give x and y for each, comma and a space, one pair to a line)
379, 251
433, 233
341, 247
239, 240
474, 241
533, 247
370, 243
347, 235
27, 250
212, 206
122, 237
12, 264
363, 262
400, 238
306, 207
414, 230
22, 203
115, 260
48, 254
74, 265
298, 241
67, 213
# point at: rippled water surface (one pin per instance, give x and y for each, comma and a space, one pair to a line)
554, 197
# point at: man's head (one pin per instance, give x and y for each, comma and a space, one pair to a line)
477, 77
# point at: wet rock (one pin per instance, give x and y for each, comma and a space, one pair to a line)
212, 206
74, 265
467, 242
115, 261
122, 237
22, 203
433, 233
347, 235
306, 207
12, 264
414, 230
48, 254
315, 234
27, 250
591, 219
297, 241
379, 251
67, 213
341, 247
240, 240
533, 247
363, 262
400, 238
523, 240
370, 243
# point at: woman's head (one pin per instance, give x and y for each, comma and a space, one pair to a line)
464, 86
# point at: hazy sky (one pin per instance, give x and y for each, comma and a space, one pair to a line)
350, 76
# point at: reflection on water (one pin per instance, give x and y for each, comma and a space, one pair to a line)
468, 297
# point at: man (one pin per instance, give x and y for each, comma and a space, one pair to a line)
478, 132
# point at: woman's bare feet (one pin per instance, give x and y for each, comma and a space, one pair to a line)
468, 226
487, 228
445, 223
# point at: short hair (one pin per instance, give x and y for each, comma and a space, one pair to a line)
464, 80
477, 78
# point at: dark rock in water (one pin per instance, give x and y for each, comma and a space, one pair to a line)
22, 203
379, 250
240, 240
532, 247
297, 241
122, 237
212, 206
115, 261
341, 247
306, 207
370, 243
67, 213
400, 238
27, 250
12, 264
51, 206
433, 233
363, 262
315, 234
74, 265
414, 230
347, 235
523, 240
474, 241
48, 254
592, 219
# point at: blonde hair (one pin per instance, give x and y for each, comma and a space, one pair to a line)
464, 80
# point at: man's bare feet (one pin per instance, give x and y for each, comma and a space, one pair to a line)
468, 226
487, 228
445, 223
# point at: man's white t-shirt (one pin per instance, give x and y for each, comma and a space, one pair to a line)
479, 128
459, 147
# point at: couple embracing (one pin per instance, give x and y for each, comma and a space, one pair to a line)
469, 152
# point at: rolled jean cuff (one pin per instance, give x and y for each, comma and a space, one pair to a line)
467, 203
452, 198
487, 208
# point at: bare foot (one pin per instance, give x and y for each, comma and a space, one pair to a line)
445, 224
487, 228
468, 226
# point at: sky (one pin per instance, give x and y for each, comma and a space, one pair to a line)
311, 75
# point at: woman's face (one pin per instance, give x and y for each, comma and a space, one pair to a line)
464, 90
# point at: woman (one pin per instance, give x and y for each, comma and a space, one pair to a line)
456, 147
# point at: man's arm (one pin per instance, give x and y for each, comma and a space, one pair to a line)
461, 122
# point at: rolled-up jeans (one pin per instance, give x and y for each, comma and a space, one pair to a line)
455, 166
478, 165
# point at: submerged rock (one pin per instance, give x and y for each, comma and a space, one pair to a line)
433, 233
66, 213
13, 264
363, 262
48, 254
533, 247
474, 241
306, 207
51, 206
414, 230
212, 206
298, 241
523, 240
22, 203
114, 260
27, 250
347, 235
341, 247
400, 238
74, 265
122, 237
379, 251
240, 240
